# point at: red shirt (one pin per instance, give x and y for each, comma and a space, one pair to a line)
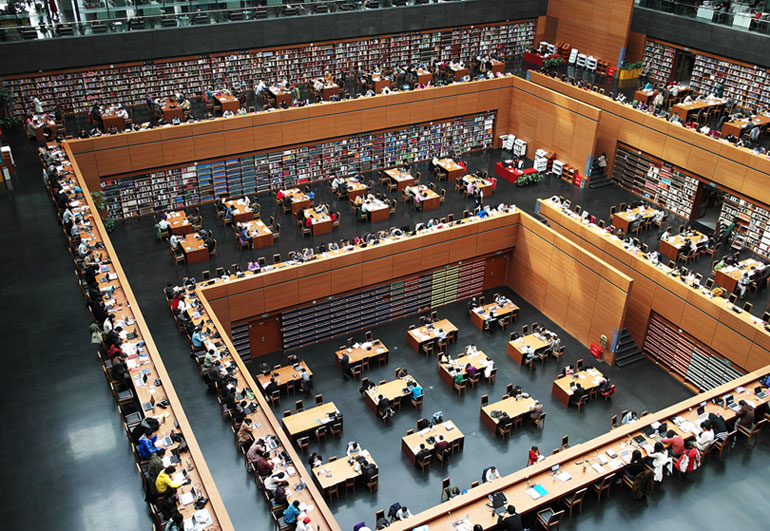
676, 442
533, 457
175, 302
279, 195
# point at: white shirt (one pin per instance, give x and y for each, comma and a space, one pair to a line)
491, 474
164, 224
271, 483
174, 241
107, 326
704, 440
302, 526
402, 514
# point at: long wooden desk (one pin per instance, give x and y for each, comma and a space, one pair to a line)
284, 375
179, 222
320, 223
453, 169
683, 110
736, 127
261, 235
194, 249
492, 309
299, 201
337, 472
228, 102
424, 76
354, 188
447, 371
171, 109
400, 177
588, 379
419, 335
672, 247
533, 341
729, 279
307, 421
126, 306
362, 351
570, 460
394, 390
280, 95
623, 220
242, 211
512, 406
410, 444
428, 198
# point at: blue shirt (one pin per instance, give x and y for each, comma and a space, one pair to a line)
146, 447
196, 339
416, 391
290, 514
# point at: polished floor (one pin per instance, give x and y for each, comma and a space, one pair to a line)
58, 410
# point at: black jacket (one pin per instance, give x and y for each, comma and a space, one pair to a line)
510, 523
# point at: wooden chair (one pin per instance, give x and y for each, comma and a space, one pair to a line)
319, 400
424, 462
275, 398
613, 422
579, 365
524, 330
484, 400
557, 354
751, 433
335, 429
575, 500
373, 483
299, 406
446, 482
549, 519
747, 307
303, 443
540, 421
459, 386
320, 433
603, 486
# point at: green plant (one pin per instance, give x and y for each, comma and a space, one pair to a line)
632, 66
552, 62
100, 202
532, 178
109, 223
9, 122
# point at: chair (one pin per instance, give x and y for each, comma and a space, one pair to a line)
603, 486
319, 400
579, 365
287, 413
416, 402
504, 431
540, 421
575, 500
524, 330
424, 462
557, 354
299, 406
613, 422
277, 258
320, 433
445, 483
459, 386
275, 398
303, 443
751, 433
373, 483
335, 429
549, 519
484, 400
723, 446
747, 307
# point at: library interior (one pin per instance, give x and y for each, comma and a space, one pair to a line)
272, 208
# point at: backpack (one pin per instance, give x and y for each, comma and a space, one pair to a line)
394, 509
765, 381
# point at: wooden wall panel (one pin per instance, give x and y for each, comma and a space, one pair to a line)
578, 322
312, 287
435, 255
141, 154
177, 151
279, 296
244, 305
347, 278
379, 270
558, 290
209, 146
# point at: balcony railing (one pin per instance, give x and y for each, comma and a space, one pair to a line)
740, 15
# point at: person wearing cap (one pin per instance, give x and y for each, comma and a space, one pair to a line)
304, 525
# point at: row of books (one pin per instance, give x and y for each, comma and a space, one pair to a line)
748, 85
192, 184
76, 91
317, 322
753, 223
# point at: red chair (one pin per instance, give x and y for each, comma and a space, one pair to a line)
611, 391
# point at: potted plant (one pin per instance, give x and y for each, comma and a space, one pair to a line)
532, 178
7, 121
631, 70
552, 62
100, 202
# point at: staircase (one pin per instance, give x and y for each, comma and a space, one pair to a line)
627, 352
599, 178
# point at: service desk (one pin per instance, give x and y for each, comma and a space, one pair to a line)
242, 211
736, 127
454, 170
307, 421
284, 375
368, 350
513, 407
111, 120
447, 371
394, 390
498, 67
330, 90
320, 222
40, 127
623, 220
228, 103
459, 73
410, 444
588, 379
280, 96
261, 235
379, 82
194, 249
672, 246
179, 222
534, 341
419, 335
491, 310
400, 177
728, 276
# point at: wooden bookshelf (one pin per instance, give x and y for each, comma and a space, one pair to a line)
131, 83
192, 184
749, 85
658, 61
656, 180
685, 357
317, 322
752, 223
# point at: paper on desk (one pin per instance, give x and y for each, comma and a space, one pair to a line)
564, 477
616, 463
599, 468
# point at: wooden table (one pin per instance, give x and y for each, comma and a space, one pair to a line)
419, 335
179, 222
512, 406
362, 351
623, 220
729, 279
394, 390
171, 109
424, 76
478, 317
354, 188
460, 73
683, 110
445, 370
380, 213
498, 67
430, 199
261, 235
241, 210
321, 223
643, 95
228, 103
487, 186
453, 169
380, 82
589, 379
410, 444
330, 90
534, 341
400, 177
39, 129
736, 127
111, 120
194, 248
337, 472
299, 201
307, 421
281, 96
671, 247
284, 375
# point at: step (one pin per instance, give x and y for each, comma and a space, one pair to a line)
627, 362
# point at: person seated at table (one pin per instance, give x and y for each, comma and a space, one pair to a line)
444, 357
174, 242
244, 434
577, 394
315, 460
706, 437
470, 371
489, 474
527, 353
271, 387
352, 448
535, 410
416, 391
383, 408
743, 284
676, 443
366, 385
635, 466
745, 415
419, 197
629, 417
165, 486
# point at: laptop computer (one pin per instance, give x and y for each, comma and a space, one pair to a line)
149, 406
639, 439
731, 403
760, 393
702, 415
